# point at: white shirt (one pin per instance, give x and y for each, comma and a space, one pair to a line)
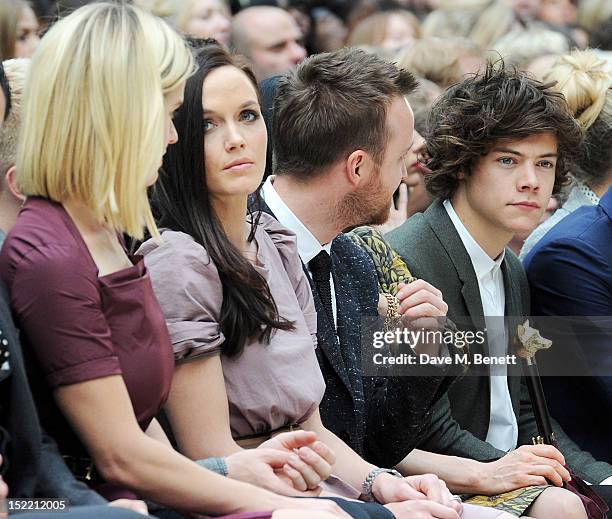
308, 246
503, 429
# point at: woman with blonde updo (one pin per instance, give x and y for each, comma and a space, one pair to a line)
97, 118
582, 78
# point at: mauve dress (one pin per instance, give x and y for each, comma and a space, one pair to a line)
76, 326
269, 385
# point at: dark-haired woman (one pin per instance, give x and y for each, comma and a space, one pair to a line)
237, 302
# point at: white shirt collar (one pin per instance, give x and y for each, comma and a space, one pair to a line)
482, 262
308, 246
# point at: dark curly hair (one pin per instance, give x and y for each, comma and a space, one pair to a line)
501, 103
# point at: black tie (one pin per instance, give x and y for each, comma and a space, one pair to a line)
320, 267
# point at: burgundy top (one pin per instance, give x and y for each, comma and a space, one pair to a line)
77, 326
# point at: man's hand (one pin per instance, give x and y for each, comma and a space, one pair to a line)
313, 506
419, 302
436, 490
528, 465
310, 462
390, 489
131, 504
421, 509
422, 307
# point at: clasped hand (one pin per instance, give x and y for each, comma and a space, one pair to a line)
424, 496
291, 464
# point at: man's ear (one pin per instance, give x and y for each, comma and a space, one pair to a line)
10, 182
358, 166
461, 175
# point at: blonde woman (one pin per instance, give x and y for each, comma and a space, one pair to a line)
97, 119
582, 78
444, 61
18, 29
196, 18
389, 30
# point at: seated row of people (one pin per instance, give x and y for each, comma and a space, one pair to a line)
218, 325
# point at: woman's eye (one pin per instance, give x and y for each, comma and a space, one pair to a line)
249, 116
207, 125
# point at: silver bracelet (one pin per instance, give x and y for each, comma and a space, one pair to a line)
369, 481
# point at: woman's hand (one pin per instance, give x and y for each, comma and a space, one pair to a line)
310, 461
265, 468
134, 505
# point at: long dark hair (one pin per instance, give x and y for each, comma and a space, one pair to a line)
180, 202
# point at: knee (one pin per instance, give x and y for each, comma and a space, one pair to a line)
558, 502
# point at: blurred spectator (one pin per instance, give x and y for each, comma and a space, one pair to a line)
328, 31
419, 198
558, 12
525, 9
270, 38
421, 100
42, 10
10, 199
453, 18
18, 29
443, 61
593, 13
522, 46
195, 18
389, 30
602, 37
494, 22
539, 66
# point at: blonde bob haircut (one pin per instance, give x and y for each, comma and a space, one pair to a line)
93, 121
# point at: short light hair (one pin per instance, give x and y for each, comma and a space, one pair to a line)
438, 59
373, 29
16, 71
176, 13
521, 46
93, 121
331, 105
452, 19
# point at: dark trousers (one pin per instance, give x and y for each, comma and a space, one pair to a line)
85, 512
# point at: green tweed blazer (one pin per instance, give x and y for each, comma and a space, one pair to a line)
432, 248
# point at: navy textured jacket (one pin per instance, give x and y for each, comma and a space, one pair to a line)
378, 417
570, 274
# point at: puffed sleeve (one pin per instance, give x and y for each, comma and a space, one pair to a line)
187, 285
286, 244
57, 303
